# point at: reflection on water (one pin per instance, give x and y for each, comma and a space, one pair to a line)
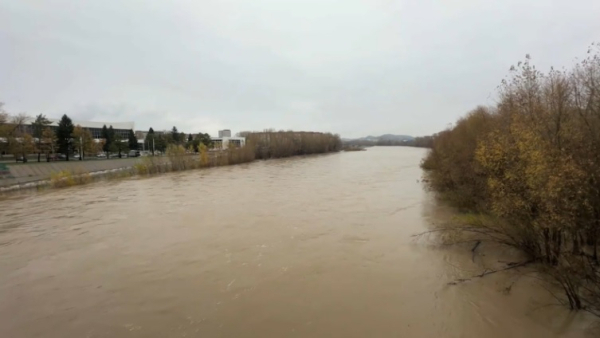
304, 247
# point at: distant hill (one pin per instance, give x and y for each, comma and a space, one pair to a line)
390, 140
385, 137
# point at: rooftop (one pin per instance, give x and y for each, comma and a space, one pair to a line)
90, 124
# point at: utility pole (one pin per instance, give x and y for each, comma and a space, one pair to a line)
80, 148
153, 149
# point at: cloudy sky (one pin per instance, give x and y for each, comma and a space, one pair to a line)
354, 67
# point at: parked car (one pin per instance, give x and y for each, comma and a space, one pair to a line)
61, 156
133, 153
101, 155
21, 159
76, 156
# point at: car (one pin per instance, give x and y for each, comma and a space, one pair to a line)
133, 153
21, 159
61, 156
101, 155
76, 156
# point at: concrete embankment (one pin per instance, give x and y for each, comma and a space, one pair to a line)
19, 174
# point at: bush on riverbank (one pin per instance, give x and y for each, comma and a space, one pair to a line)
533, 162
258, 146
179, 159
67, 178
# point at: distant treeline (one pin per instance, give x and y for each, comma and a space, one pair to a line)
275, 144
532, 164
422, 142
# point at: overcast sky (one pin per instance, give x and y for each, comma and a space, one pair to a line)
353, 67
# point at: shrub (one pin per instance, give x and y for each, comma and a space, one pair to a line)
532, 162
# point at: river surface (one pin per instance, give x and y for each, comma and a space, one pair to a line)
315, 246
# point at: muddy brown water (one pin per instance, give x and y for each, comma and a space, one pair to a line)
304, 247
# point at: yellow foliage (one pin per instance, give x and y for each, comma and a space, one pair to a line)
538, 155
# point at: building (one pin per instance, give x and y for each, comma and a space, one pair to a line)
226, 142
121, 128
225, 133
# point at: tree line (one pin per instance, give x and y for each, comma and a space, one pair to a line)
275, 144
531, 166
20, 137
160, 141
420, 142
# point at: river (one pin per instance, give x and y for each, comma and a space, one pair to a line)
316, 246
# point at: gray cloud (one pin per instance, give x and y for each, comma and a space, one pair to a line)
353, 67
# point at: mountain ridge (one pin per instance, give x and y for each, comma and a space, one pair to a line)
384, 137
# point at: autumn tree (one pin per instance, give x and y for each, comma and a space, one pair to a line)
27, 145
83, 141
48, 142
38, 126
531, 163
203, 155
15, 134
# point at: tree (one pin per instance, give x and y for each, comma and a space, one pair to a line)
15, 133
26, 145
106, 144
190, 144
150, 140
64, 132
198, 140
119, 145
203, 155
133, 142
3, 114
48, 142
161, 142
168, 138
40, 123
3, 127
83, 141
204, 139
175, 135
109, 140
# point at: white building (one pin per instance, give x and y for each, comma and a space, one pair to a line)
226, 142
225, 133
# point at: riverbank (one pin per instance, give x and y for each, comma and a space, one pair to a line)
259, 145
526, 175
23, 175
